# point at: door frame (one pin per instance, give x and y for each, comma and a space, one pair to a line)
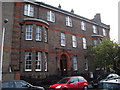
68, 60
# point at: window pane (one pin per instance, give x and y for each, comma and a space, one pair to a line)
86, 63
45, 35
45, 57
70, 22
38, 33
67, 21
53, 17
48, 15
38, 61
26, 9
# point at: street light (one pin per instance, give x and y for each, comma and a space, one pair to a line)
2, 44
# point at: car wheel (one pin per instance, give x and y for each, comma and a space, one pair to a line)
65, 89
85, 88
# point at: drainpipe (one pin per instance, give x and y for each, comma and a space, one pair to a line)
1, 56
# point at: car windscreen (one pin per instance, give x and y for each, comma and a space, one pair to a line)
63, 81
109, 86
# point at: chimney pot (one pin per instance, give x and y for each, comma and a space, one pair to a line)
59, 6
72, 11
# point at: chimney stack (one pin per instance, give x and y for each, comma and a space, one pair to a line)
97, 18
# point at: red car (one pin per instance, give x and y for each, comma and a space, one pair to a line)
71, 83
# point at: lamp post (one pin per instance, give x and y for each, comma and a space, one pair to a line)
2, 44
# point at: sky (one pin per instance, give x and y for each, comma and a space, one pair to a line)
88, 8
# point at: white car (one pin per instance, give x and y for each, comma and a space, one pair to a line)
110, 84
109, 77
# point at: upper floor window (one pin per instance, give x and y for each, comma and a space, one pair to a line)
104, 32
38, 33
68, 21
94, 29
75, 68
45, 34
29, 10
63, 39
50, 16
38, 61
84, 43
83, 26
29, 30
74, 41
28, 61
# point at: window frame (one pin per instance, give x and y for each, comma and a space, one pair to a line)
45, 34
29, 32
38, 59
83, 26
38, 33
68, 21
94, 29
51, 16
104, 32
75, 63
63, 39
45, 61
74, 41
28, 53
27, 11
86, 63
84, 43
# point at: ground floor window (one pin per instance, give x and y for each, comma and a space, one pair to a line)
86, 63
45, 61
38, 62
28, 61
75, 68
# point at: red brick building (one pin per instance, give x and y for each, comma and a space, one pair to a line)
45, 40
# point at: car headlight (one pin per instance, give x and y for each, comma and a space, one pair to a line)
58, 87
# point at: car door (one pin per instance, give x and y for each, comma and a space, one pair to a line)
21, 85
81, 83
73, 84
8, 85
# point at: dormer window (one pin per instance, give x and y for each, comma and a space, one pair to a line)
29, 10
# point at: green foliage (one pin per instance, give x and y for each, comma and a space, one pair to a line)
105, 54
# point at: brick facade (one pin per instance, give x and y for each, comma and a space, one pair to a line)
52, 48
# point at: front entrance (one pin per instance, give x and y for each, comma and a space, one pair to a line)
63, 64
